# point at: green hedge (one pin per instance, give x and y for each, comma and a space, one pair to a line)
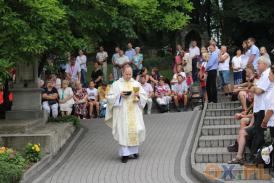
10, 173
162, 63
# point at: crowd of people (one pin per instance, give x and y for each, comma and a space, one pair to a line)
68, 91
210, 67
257, 101
207, 66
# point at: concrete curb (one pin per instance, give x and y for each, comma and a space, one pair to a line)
185, 161
49, 162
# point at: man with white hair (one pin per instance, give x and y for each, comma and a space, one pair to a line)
124, 110
255, 132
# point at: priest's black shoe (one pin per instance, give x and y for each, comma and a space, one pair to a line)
124, 159
135, 156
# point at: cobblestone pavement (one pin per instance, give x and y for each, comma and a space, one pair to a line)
95, 159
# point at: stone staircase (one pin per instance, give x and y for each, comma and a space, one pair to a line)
217, 129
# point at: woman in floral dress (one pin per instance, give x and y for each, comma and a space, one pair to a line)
80, 98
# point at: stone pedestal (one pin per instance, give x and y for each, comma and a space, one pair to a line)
26, 108
26, 104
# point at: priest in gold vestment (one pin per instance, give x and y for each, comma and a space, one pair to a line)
126, 100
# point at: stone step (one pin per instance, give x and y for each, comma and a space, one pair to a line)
217, 141
221, 112
223, 98
220, 130
225, 105
214, 155
51, 137
20, 126
220, 120
239, 173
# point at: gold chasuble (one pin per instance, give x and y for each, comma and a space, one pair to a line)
125, 114
132, 125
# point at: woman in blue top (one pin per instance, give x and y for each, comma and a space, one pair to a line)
137, 62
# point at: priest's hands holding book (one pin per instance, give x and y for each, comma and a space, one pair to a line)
125, 93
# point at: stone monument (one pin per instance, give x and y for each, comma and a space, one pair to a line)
26, 110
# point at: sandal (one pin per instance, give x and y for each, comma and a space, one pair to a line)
236, 161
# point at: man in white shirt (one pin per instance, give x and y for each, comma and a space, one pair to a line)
101, 57
81, 59
73, 70
255, 132
194, 52
268, 121
149, 91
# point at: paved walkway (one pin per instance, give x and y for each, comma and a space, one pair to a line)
95, 158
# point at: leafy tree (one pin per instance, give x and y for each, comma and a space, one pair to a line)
31, 30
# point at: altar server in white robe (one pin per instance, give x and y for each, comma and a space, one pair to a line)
125, 112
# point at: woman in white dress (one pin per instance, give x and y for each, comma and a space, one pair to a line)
66, 100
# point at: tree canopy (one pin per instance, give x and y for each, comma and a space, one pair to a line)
32, 28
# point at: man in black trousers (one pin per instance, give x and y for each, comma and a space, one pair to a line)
211, 68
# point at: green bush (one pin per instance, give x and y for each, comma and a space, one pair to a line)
12, 157
12, 165
66, 119
10, 173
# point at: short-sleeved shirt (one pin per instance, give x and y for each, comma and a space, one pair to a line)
95, 75
237, 62
254, 50
51, 92
147, 88
225, 65
122, 60
163, 90
102, 56
264, 84
114, 57
73, 71
180, 88
194, 51
92, 93
82, 60
130, 53
137, 59
269, 104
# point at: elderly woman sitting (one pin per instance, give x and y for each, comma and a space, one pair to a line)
66, 100
49, 99
81, 99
